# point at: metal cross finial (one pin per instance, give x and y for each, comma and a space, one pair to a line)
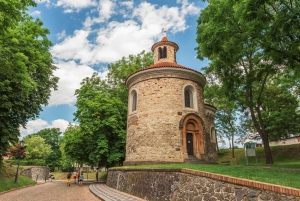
165, 32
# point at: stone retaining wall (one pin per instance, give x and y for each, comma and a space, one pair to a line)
37, 172
193, 185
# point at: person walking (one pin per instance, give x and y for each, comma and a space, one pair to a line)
74, 177
78, 175
69, 179
50, 176
81, 179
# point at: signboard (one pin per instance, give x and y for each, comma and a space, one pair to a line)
249, 151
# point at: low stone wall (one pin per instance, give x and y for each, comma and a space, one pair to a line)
36, 172
193, 185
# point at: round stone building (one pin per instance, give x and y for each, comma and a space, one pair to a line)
168, 121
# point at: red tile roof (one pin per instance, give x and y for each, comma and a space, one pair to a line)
164, 39
163, 65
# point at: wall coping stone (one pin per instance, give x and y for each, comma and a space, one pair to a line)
234, 180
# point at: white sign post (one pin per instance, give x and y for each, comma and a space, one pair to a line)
250, 150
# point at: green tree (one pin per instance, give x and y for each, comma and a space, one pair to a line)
36, 148
26, 76
102, 119
242, 52
74, 145
11, 13
225, 117
52, 137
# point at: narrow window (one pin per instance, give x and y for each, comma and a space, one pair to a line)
212, 134
174, 55
164, 52
160, 53
134, 101
188, 98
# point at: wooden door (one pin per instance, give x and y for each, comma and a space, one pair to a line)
189, 144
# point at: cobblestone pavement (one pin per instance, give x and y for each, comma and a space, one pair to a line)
109, 194
54, 191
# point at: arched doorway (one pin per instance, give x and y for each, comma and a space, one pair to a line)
191, 127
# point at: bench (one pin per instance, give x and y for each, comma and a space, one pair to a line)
225, 162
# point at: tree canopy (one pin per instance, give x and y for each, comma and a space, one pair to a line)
53, 138
11, 12
26, 71
36, 148
251, 44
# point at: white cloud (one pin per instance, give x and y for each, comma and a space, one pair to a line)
75, 47
61, 35
35, 13
70, 75
106, 9
59, 123
75, 5
35, 126
128, 4
172, 17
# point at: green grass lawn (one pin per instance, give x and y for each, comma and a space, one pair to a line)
280, 175
285, 171
7, 179
8, 183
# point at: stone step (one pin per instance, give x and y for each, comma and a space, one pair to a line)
194, 160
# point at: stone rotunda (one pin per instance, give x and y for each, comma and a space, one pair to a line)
168, 121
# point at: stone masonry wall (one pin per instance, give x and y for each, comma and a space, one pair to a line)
153, 130
33, 173
192, 185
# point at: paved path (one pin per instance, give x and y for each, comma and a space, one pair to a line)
109, 194
51, 191
58, 191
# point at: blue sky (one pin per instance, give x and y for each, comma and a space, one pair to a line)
89, 34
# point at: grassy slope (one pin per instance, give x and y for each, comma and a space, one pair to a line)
285, 171
7, 179
282, 155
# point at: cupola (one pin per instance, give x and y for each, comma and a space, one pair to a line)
165, 50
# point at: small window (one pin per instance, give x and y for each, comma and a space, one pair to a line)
134, 101
132, 104
164, 55
188, 98
160, 53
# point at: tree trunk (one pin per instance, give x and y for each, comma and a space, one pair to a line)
218, 150
268, 154
232, 142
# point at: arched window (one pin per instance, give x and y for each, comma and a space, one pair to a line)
190, 97
164, 55
160, 53
133, 101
